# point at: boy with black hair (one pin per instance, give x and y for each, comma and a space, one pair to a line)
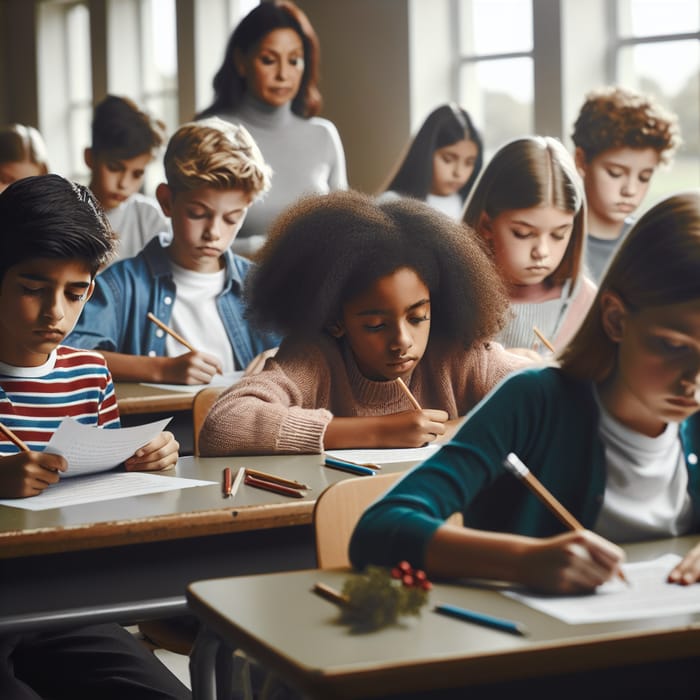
125, 140
53, 239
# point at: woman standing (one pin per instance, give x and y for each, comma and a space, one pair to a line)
268, 83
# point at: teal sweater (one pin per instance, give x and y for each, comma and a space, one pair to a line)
551, 422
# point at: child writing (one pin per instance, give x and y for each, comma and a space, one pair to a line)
53, 238
22, 154
620, 136
124, 141
612, 431
442, 162
192, 283
528, 207
364, 294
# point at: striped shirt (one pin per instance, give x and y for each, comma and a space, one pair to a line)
72, 383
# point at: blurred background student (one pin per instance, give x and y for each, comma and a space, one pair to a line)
125, 140
442, 161
268, 83
22, 154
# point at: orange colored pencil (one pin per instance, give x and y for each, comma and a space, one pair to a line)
170, 332
17, 441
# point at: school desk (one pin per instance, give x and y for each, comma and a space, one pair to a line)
294, 633
137, 398
131, 558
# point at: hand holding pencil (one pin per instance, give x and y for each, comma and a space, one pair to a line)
582, 559
27, 473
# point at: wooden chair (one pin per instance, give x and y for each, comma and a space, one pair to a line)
337, 511
203, 401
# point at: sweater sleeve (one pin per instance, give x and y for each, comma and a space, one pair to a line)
272, 412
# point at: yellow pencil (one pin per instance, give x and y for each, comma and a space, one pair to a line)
408, 393
543, 339
17, 441
170, 332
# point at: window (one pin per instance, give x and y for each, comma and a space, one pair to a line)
657, 51
495, 67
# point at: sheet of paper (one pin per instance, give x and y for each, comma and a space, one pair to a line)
415, 454
89, 449
648, 596
226, 379
101, 487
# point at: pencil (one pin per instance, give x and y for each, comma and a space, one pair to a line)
9, 434
170, 332
226, 482
481, 619
514, 465
342, 460
277, 479
409, 395
347, 467
543, 339
270, 486
330, 594
240, 475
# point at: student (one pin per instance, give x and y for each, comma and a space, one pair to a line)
53, 239
124, 141
612, 431
22, 154
268, 83
528, 207
442, 162
364, 294
193, 283
621, 136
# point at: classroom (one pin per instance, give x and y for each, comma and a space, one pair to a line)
401, 294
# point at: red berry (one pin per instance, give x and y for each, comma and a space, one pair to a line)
407, 580
420, 575
426, 585
405, 567
396, 572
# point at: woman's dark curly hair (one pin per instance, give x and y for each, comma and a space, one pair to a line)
326, 249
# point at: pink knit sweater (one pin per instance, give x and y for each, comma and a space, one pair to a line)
287, 407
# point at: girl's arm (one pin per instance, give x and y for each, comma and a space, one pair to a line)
569, 563
406, 429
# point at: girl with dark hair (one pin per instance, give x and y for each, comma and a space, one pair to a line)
441, 163
268, 83
365, 294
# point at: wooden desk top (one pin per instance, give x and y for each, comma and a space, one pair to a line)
177, 514
134, 398
277, 619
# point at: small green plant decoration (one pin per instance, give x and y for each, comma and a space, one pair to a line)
379, 596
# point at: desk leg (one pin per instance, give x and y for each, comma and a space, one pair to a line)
203, 665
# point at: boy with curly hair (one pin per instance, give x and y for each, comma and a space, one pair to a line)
192, 282
620, 136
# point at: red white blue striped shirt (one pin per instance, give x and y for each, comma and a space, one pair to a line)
72, 383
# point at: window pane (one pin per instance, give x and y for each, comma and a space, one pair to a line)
498, 95
644, 68
159, 41
638, 18
483, 30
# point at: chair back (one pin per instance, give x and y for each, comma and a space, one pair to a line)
337, 511
203, 401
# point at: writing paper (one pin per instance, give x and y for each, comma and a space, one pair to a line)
648, 595
413, 454
89, 449
101, 487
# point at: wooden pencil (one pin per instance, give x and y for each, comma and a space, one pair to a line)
17, 441
170, 332
543, 339
409, 395
264, 476
514, 464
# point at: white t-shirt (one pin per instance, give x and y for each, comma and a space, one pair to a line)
195, 315
646, 491
135, 222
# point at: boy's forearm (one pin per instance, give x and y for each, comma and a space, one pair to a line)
134, 368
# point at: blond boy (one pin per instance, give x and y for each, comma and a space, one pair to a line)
192, 283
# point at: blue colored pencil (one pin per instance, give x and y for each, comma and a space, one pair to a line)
347, 466
481, 619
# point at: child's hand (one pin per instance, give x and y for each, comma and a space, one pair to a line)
688, 570
411, 428
29, 473
191, 368
575, 562
159, 454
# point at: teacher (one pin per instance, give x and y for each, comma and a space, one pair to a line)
268, 83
